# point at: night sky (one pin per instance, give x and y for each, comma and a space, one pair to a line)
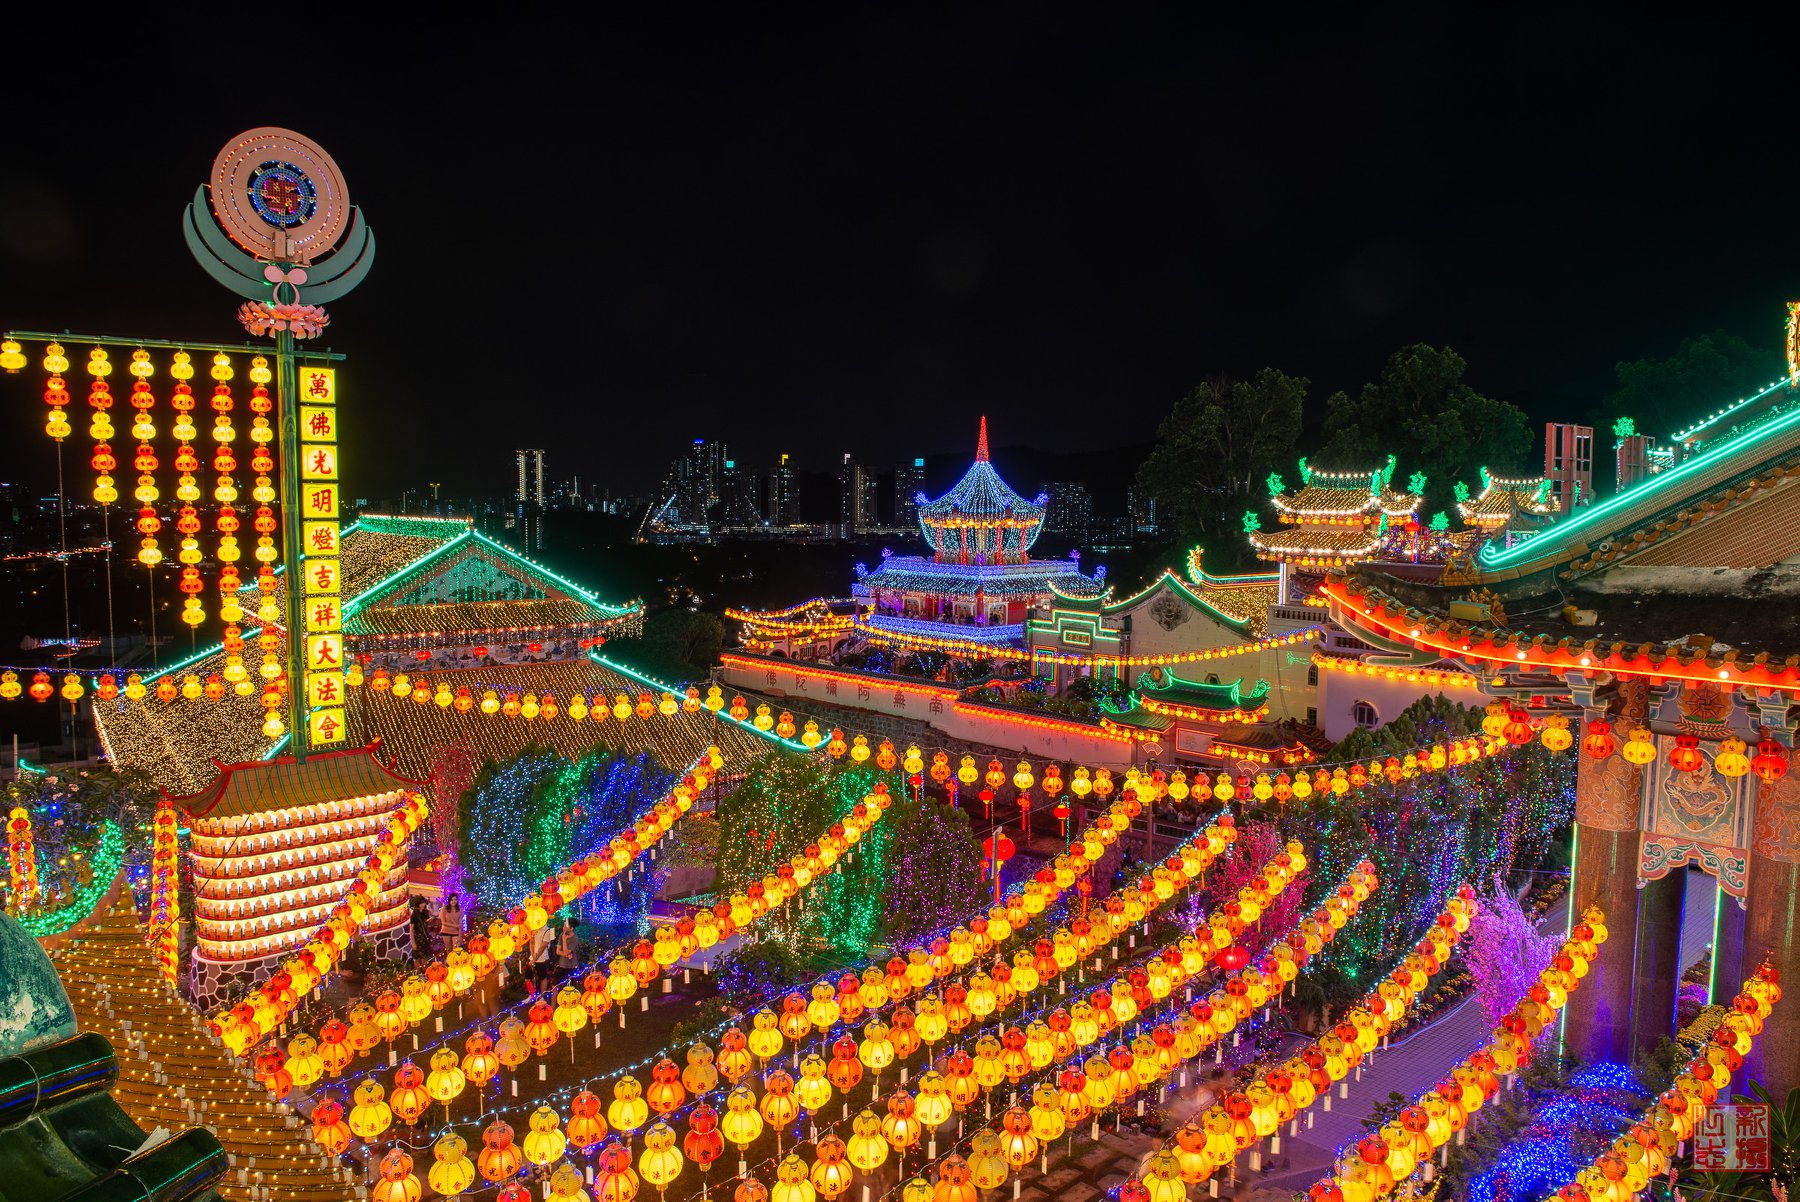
824, 232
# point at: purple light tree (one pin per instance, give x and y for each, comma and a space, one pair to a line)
1505, 952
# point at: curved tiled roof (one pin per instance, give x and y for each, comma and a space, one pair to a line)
981, 515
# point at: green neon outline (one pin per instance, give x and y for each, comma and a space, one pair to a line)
1492, 556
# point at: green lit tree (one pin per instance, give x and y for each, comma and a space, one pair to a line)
916, 870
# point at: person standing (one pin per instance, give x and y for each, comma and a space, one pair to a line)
450, 923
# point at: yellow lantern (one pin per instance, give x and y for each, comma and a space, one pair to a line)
452, 1173
1731, 760
545, 1143
1640, 747
661, 1161
370, 1115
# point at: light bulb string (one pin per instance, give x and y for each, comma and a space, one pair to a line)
565, 1094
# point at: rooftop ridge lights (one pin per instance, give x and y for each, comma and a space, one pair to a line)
754, 615
1727, 411
1435, 677
1201, 578
1201, 713
1520, 649
1493, 555
1045, 655
936, 692
929, 629
1232, 693
1169, 577
653, 683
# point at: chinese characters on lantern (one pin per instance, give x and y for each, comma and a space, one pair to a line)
322, 596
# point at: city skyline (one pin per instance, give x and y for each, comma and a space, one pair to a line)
1075, 295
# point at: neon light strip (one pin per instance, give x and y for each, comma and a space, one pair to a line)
648, 682
1347, 609
1704, 422
1590, 517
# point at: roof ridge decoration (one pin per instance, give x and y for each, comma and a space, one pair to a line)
981, 519
260, 785
525, 567
1609, 517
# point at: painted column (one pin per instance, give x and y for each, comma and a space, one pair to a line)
1597, 1020
1772, 927
1658, 969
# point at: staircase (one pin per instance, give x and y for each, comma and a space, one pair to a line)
173, 1074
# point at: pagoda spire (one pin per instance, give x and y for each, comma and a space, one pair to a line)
981, 451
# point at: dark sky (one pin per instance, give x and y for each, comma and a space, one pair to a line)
819, 230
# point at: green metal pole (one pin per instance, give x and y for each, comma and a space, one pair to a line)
287, 375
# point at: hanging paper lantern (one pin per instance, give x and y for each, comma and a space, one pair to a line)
1731, 760
1771, 762
1685, 756
1555, 735
1599, 742
1639, 748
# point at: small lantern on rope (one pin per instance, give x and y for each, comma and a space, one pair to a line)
1639, 748
1685, 755
1599, 742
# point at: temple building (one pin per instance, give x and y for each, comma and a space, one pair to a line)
1663, 622
1506, 509
979, 580
1337, 518
274, 849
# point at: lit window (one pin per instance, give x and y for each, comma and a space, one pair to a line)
1364, 715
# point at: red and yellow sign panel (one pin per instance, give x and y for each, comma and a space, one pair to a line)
322, 570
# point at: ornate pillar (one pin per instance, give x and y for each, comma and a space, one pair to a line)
1658, 970
1772, 928
1608, 794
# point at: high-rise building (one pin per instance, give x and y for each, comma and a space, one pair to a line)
909, 485
867, 493
697, 478
1071, 508
1140, 507
1569, 462
528, 501
783, 495
739, 503
847, 493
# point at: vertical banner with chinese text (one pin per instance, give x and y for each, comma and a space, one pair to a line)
320, 531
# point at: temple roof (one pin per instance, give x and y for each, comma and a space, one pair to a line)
1722, 476
1316, 545
1192, 694
1340, 496
981, 516
1501, 499
1035, 578
282, 783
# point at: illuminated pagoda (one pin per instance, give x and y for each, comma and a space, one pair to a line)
1658, 629
1505, 508
275, 847
1336, 518
979, 580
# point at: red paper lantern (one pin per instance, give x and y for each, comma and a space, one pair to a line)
1685, 755
1770, 762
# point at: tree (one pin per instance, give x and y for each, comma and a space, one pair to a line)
527, 818
677, 645
1505, 953
1421, 411
1664, 395
1214, 451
